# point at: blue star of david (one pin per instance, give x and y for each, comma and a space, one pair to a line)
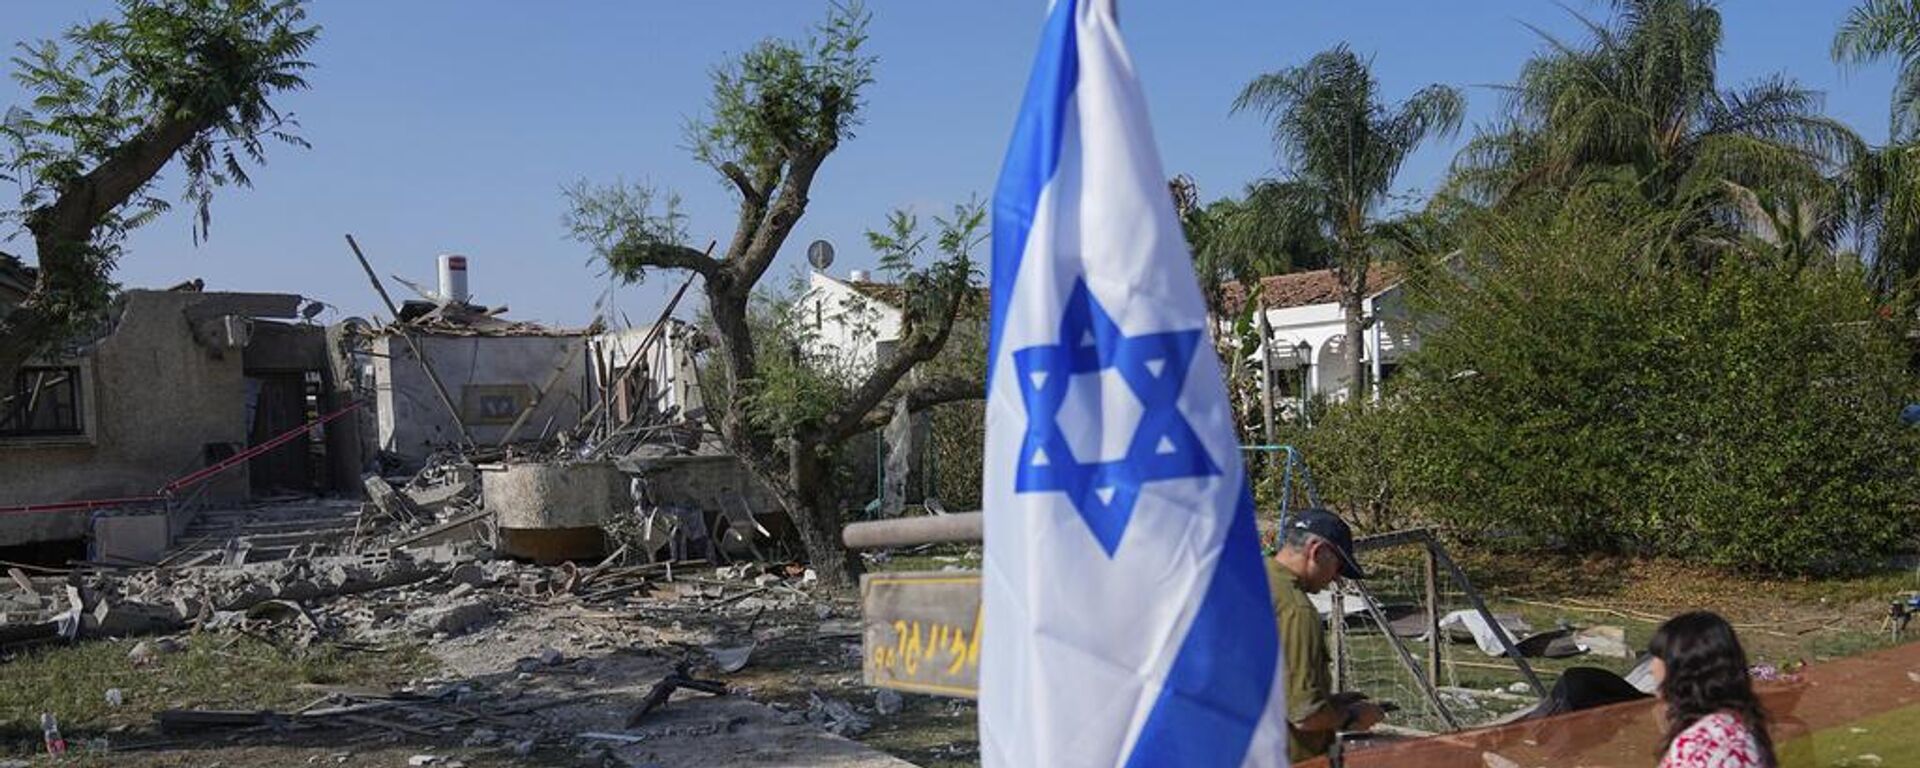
1163, 447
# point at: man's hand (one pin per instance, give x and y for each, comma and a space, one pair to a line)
1363, 716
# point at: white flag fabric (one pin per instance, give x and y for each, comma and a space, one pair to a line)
1127, 619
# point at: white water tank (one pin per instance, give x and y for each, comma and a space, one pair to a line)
860, 276
453, 278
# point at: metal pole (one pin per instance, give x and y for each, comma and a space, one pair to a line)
1499, 632
418, 353
913, 531
1266, 382
1373, 334
1337, 623
1430, 568
1406, 659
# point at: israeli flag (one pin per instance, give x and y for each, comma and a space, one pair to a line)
1127, 617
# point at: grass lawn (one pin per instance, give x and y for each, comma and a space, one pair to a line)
210, 671
1887, 739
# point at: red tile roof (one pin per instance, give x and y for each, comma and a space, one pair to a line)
1300, 289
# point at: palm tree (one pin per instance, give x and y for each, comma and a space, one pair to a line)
1884, 187
1640, 104
1342, 148
1875, 30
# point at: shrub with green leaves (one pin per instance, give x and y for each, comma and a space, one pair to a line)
1574, 393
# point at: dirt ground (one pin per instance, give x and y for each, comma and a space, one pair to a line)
568, 670
533, 685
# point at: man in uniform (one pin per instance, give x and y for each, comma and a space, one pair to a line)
1316, 547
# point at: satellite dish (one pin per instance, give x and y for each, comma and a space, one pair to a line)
820, 255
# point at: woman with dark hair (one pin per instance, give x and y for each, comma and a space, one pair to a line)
1713, 719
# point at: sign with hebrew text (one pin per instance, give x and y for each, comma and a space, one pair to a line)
922, 631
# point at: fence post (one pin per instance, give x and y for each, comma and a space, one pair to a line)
1430, 568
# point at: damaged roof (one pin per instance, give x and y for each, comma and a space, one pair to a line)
462, 319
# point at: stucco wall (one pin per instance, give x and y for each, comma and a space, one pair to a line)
845, 328
154, 397
1323, 327
412, 421
669, 363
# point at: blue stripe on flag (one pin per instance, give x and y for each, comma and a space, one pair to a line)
1216, 692
1031, 159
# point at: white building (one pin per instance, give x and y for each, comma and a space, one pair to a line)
1308, 330
849, 325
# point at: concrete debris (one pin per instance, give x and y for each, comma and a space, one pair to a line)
449, 619
731, 659
145, 651
383, 497
888, 702
836, 716
1609, 641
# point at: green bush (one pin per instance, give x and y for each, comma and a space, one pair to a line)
1582, 395
1354, 455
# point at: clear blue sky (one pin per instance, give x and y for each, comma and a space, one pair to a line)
450, 126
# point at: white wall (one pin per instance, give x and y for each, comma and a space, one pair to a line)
669, 362
844, 328
1323, 327
414, 423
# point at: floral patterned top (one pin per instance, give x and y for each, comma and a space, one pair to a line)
1718, 740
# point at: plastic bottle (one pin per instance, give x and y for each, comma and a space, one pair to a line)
50, 729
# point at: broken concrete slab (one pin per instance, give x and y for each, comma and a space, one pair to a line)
1605, 640
113, 618
382, 495
435, 499
451, 619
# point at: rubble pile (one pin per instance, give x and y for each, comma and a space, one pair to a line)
609, 659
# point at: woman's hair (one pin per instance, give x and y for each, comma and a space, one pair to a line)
1706, 673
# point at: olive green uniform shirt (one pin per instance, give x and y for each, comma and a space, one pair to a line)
1309, 674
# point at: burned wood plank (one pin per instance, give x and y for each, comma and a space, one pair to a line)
663, 690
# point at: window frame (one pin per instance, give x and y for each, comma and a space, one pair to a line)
81, 387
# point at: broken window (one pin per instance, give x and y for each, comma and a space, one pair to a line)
43, 402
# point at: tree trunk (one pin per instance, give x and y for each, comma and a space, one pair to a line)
815, 512
63, 234
1353, 303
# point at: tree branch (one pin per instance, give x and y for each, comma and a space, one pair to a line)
917, 347
71, 217
941, 391
744, 184
63, 233
630, 258
786, 211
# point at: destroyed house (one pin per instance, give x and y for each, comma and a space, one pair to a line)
169, 383
451, 374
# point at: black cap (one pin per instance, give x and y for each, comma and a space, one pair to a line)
1329, 526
